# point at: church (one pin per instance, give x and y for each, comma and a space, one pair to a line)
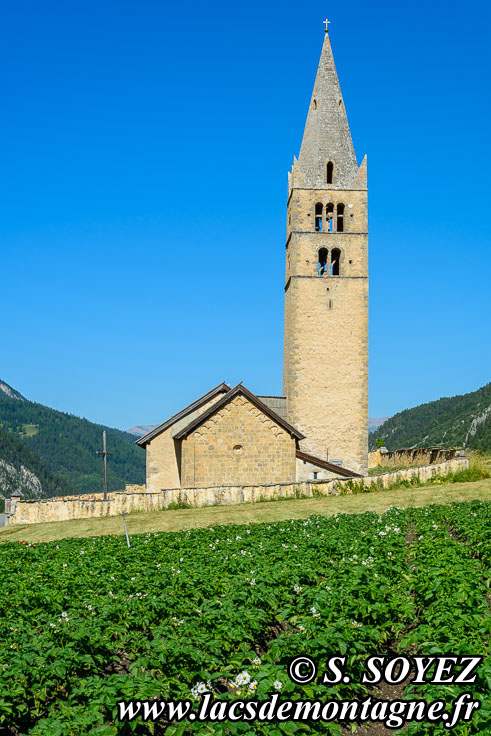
318, 428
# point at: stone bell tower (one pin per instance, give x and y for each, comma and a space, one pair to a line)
325, 372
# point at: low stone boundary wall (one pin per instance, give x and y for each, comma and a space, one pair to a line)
411, 456
64, 509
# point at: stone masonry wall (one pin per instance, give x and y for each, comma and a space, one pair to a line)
413, 456
163, 460
237, 445
59, 509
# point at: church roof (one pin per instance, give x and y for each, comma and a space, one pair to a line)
328, 466
276, 403
221, 388
327, 135
238, 390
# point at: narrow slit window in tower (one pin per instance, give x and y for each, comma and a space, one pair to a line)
335, 258
318, 217
329, 172
322, 265
340, 218
330, 217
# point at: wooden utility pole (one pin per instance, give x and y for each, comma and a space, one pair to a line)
104, 454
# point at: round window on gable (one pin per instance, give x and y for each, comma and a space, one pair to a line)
238, 449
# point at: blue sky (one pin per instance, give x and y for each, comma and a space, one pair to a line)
145, 149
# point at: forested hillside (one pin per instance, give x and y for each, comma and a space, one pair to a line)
459, 421
67, 446
22, 470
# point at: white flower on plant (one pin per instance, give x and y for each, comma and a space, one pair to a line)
302, 628
253, 686
199, 689
65, 564
256, 661
253, 581
89, 607
277, 685
52, 626
297, 588
243, 678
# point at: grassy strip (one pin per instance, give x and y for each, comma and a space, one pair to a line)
477, 470
249, 513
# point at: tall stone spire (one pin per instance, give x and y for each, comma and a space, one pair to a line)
327, 135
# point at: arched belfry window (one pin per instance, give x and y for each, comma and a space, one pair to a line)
329, 172
330, 217
322, 265
335, 261
318, 217
340, 218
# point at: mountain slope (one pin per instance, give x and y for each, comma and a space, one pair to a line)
22, 470
67, 445
141, 429
459, 421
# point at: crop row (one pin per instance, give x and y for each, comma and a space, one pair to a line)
450, 587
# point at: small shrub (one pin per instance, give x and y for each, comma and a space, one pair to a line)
180, 504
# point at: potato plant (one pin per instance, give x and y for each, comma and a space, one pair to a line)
85, 623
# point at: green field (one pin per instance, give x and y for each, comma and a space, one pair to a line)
29, 430
87, 622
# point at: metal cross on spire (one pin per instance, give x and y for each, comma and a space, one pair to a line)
326, 23
104, 454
